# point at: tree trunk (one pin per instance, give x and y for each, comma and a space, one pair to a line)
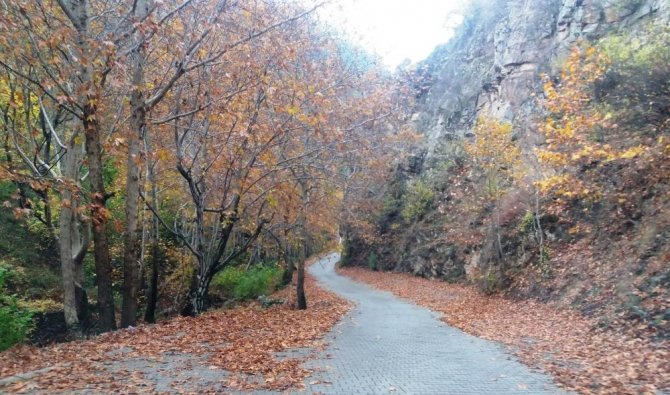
67, 271
300, 284
77, 12
302, 249
200, 296
288, 258
131, 244
138, 124
300, 287
208, 267
66, 224
72, 246
152, 297
99, 215
197, 294
81, 298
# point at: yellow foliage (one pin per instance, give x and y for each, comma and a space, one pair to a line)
632, 152
292, 110
552, 157
42, 305
494, 152
575, 129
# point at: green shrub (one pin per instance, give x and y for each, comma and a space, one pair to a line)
372, 261
235, 282
43, 305
545, 266
15, 321
226, 281
491, 282
418, 200
527, 223
638, 53
43, 282
34, 281
390, 205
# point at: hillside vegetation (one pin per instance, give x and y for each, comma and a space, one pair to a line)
573, 208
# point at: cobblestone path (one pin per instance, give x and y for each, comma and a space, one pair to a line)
388, 346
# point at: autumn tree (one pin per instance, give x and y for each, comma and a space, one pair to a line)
382, 141
285, 113
46, 165
230, 123
153, 31
334, 108
498, 157
219, 153
584, 129
62, 55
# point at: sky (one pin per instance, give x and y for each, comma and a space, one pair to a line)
395, 29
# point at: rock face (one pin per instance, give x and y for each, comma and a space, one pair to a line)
493, 65
496, 59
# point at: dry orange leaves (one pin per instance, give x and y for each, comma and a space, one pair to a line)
581, 357
242, 341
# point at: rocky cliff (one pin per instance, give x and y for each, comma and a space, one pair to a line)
494, 62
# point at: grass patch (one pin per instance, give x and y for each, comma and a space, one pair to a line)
240, 284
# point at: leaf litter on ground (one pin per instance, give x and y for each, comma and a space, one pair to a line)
242, 341
580, 355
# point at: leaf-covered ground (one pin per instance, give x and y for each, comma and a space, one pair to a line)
580, 356
217, 352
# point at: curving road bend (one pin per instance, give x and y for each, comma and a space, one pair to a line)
388, 346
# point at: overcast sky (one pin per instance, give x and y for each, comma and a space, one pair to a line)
395, 29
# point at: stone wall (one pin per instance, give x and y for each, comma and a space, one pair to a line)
495, 61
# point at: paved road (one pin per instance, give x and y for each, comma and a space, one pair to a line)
388, 346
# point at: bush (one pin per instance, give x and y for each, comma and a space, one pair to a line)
44, 306
417, 201
491, 282
545, 266
43, 282
15, 321
256, 282
527, 223
235, 282
226, 281
372, 261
